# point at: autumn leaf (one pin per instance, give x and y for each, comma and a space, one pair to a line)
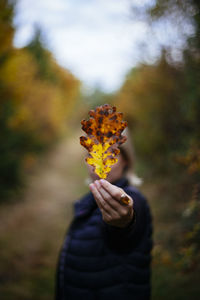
103, 130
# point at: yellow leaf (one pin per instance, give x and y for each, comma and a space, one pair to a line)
103, 130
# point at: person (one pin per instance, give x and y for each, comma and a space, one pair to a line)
107, 249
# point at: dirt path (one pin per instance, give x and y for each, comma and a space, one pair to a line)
32, 230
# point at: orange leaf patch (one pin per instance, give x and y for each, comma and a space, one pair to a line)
103, 130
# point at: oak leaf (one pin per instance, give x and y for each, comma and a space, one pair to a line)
103, 130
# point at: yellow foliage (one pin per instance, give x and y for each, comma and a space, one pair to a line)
39, 105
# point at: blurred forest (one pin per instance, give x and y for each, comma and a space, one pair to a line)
37, 98
42, 105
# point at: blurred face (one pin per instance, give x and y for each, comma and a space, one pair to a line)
115, 173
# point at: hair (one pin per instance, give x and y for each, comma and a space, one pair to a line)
128, 153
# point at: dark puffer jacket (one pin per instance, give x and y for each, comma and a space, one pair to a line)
102, 262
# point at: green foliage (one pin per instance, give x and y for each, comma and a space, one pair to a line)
42, 57
6, 28
152, 99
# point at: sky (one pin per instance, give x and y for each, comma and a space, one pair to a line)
97, 40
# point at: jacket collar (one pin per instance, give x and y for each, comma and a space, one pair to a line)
87, 203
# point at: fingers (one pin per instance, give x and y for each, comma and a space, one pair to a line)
100, 201
113, 190
107, 197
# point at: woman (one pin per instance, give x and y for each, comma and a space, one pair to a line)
107, 250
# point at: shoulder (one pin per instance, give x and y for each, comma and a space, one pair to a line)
136, 194
132, 189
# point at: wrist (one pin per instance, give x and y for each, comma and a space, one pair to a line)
130, 221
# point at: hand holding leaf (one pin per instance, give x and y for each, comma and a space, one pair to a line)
107, 197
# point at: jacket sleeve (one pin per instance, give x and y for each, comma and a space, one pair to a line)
125, 239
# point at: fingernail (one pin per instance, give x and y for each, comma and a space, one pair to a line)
97, 183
